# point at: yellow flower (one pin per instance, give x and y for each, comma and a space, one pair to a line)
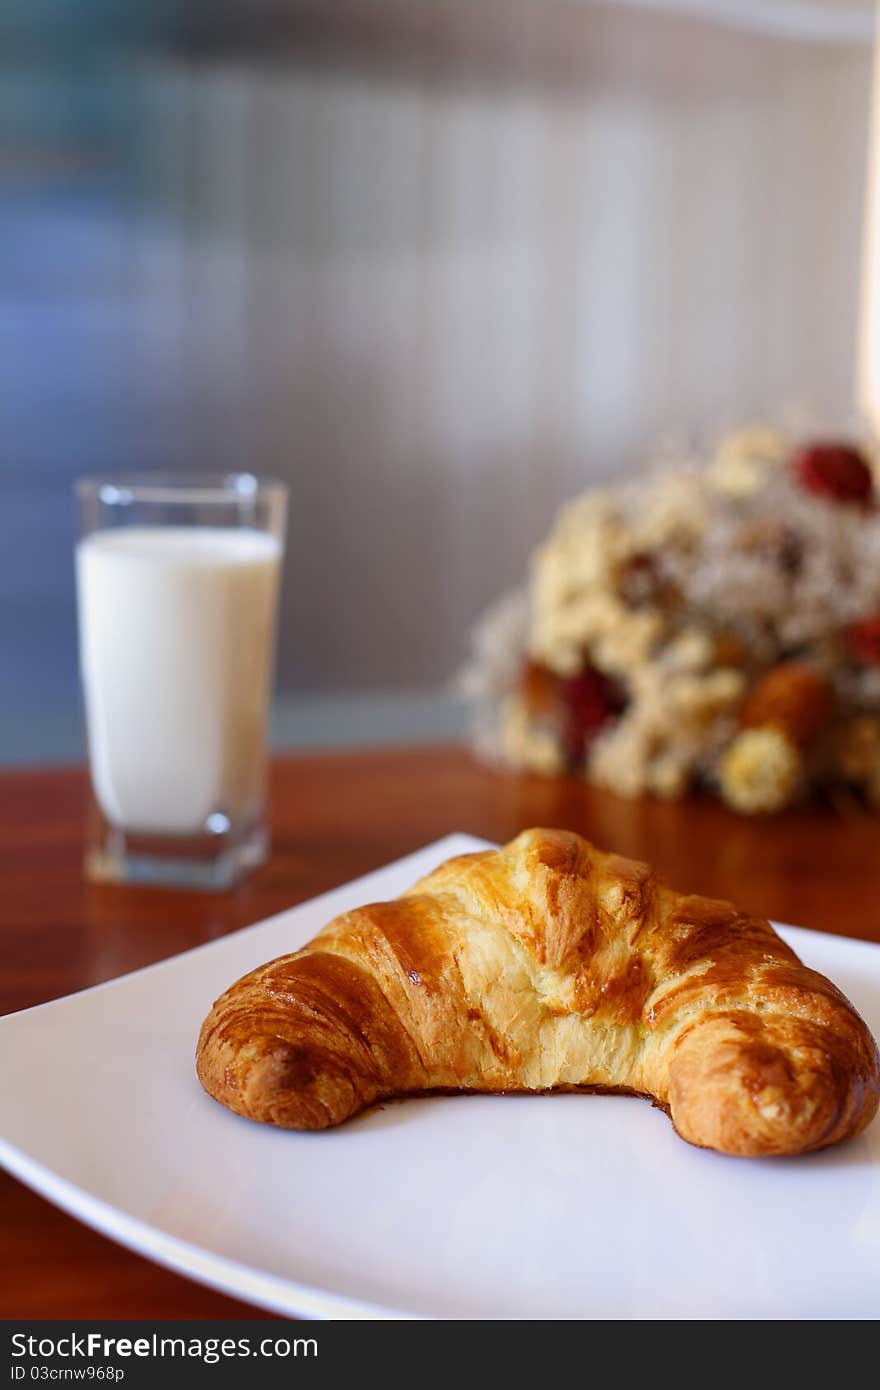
744, 457
759, 771
692, 650
673, 511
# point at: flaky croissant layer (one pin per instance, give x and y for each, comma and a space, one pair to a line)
549, 964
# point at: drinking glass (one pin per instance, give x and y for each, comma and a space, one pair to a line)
177, 589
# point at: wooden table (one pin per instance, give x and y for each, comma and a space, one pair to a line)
335, 817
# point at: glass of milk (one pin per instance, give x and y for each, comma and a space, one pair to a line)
177, 586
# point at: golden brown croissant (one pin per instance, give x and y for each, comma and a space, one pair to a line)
549, 965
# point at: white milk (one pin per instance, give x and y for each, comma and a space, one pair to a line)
176, 644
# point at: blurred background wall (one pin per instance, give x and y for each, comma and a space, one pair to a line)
438, 265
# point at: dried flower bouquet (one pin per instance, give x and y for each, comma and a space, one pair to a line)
714, 625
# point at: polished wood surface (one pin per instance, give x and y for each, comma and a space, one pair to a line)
336, 816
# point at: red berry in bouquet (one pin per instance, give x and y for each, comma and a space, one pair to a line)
588, 700
864, 639
838, 472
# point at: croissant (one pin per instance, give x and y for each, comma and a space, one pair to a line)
549, 965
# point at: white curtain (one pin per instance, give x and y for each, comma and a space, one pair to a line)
441, 297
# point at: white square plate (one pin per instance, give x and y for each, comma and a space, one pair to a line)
497, 1207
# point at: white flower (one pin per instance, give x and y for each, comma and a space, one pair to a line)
759, 772
498, 642
525, 743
